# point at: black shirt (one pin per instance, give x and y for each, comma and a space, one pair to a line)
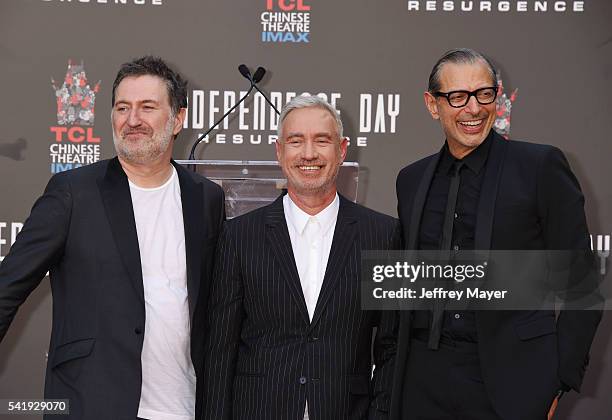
457, 325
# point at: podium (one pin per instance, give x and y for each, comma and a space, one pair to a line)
250, 184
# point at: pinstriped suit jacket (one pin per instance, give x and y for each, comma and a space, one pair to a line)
265, 358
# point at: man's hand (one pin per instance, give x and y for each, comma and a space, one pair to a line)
553, 406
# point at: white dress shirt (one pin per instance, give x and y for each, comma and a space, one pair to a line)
311, 240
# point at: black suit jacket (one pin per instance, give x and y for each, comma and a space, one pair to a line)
264, 356
82, 231
530, 200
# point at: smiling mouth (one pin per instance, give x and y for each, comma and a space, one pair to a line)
472, 127
310, 168
475, 123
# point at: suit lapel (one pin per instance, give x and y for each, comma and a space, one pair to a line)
117, 200
488, 193
405, 316
486, 203
192, 201
343, 241
419, 202
277, 237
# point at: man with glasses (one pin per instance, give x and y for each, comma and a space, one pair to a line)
481, 192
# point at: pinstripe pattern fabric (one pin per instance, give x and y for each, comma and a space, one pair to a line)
264, 356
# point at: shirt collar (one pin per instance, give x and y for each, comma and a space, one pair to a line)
298, 218
475, 160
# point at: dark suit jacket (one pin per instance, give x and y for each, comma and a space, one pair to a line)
82, 230
264, 356
530, 200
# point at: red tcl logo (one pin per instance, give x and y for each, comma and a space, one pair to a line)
287, 5
75, 134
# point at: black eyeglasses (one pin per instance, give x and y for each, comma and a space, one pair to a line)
460, 98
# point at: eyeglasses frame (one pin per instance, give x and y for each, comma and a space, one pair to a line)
470, 94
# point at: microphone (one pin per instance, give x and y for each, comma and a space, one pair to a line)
256, 78
246, 73
253, 79
259, 74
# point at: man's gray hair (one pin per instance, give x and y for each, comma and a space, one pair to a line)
459, 56
309, 102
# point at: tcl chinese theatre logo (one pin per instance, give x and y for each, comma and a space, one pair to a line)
285, 21
74, 142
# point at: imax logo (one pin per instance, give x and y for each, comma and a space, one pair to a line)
284, 37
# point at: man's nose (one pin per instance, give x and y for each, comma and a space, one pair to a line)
310, 150
134, 118
473, 107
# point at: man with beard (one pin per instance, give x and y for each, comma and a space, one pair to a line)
482, 192
129, 245
288, 339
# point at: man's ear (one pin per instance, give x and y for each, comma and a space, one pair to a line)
432, 105
279, 150
179, 118
343, 149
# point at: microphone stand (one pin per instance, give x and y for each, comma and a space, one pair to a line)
197, 142
256, 78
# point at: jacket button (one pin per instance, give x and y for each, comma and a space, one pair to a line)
303, 380
137, 330
313, 338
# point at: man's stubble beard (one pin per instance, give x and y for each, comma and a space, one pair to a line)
313, 188
145, 151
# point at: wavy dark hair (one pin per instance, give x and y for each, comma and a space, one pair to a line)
155, 66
